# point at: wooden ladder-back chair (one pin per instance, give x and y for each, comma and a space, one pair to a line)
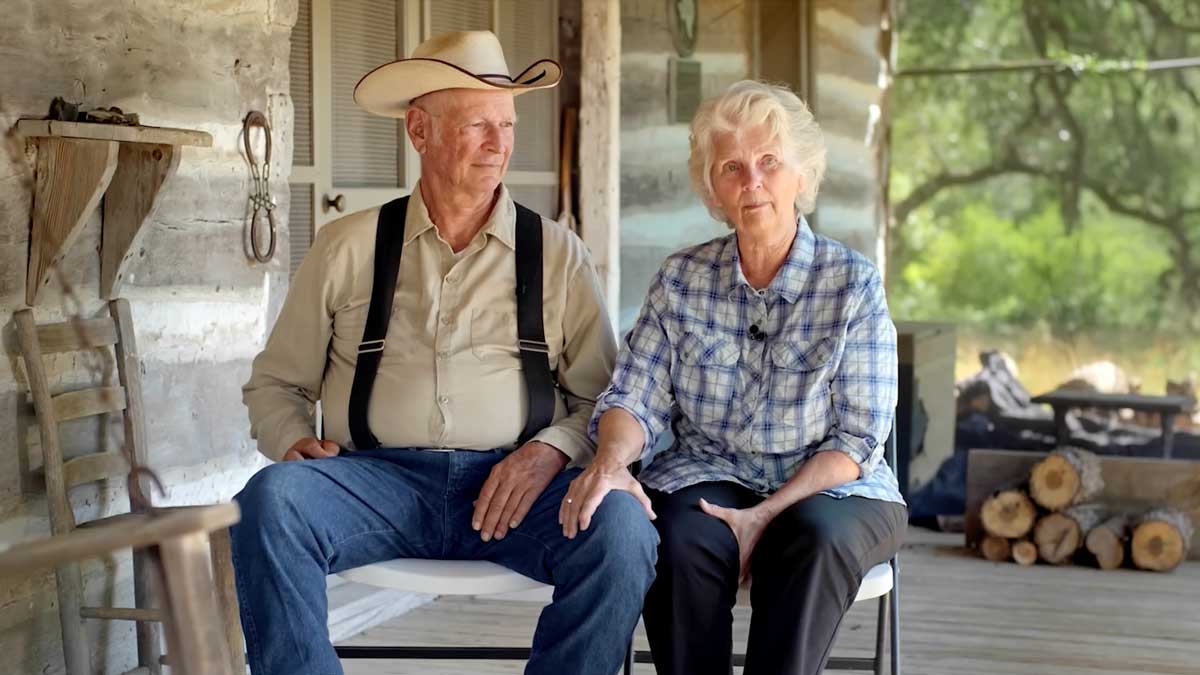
115, 330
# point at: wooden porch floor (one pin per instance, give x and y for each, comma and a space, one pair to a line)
960, 615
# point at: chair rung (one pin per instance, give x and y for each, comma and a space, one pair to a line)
434, 653
76, 335
86, 402
121, 613
94, 467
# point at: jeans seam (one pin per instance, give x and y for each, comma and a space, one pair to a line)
338, 543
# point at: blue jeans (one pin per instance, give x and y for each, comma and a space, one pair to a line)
304, 520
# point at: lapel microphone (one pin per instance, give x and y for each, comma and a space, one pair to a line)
757, 334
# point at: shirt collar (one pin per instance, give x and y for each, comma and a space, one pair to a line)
790, 278
501, 222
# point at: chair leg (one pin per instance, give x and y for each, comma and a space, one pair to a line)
629, 658
894, 603
76, 653
881, 626
227, 601
149, 645
196, 641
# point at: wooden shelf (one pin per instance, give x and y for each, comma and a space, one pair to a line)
77, 164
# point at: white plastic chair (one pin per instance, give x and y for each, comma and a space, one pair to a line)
484, 578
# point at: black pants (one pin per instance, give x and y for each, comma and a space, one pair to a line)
805, 573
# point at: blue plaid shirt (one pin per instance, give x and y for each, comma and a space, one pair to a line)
822, 376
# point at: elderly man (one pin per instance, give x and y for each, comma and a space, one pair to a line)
456, 383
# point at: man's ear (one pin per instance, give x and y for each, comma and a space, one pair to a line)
416, 123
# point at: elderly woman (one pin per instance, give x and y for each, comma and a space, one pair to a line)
771, 354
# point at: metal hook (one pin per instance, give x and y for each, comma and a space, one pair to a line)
260, 198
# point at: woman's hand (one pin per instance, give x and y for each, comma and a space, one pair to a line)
747, 526
589, 489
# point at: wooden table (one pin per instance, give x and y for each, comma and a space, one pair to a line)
195, 635
1166, 406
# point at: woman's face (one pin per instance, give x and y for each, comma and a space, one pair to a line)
754, 185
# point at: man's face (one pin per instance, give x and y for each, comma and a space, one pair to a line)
464, 136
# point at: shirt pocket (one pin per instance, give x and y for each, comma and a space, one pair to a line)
706, 383
799, 388
494, 336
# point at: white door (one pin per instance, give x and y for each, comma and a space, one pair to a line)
345, 159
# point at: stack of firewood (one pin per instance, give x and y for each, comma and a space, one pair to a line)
1055, 516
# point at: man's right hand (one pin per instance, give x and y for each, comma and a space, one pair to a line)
311, 448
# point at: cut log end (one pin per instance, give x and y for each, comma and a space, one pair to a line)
1024, 552
1161, 540
1057, 537
1107, 541
1065, 477
1008, 514
996, 549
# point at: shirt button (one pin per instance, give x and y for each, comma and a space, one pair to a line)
443, 354
445, 321
443, 399
452, 279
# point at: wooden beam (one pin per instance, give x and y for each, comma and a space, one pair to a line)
600, 145
76, 335
31, 128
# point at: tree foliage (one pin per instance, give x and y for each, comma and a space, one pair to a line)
1065, 192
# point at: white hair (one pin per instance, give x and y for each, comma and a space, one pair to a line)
743, 106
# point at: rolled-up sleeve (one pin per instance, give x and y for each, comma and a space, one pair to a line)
864, 387
641, 382
285, 380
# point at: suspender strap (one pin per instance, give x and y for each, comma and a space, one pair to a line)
389, 244
531, 332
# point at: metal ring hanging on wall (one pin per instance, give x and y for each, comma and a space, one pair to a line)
260, 198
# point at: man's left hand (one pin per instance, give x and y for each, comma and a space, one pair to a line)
513, 486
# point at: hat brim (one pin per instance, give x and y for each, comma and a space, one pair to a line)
389, 89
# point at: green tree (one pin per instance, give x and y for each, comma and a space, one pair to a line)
1081, 123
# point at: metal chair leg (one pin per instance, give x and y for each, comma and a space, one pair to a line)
629, 658
880, 631
894, 602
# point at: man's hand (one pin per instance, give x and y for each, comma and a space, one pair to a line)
747, 526
513, 486
311, 448
589, 489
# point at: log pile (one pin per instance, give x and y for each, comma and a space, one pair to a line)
1054, 516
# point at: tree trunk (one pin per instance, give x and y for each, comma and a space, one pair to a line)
1067, 476
1161, 539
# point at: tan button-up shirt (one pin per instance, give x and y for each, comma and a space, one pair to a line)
450, 376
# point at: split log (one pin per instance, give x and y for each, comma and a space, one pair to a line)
1008, 513
1024, 552
996, 549
1107, 541
1066, 476
1059, 535
1161, 540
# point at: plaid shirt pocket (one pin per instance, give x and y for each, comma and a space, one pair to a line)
706, 381
800, 397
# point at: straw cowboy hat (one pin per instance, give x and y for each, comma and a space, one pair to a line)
461, 60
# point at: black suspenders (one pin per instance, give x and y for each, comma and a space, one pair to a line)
531, 334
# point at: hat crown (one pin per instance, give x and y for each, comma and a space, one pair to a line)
475, 51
